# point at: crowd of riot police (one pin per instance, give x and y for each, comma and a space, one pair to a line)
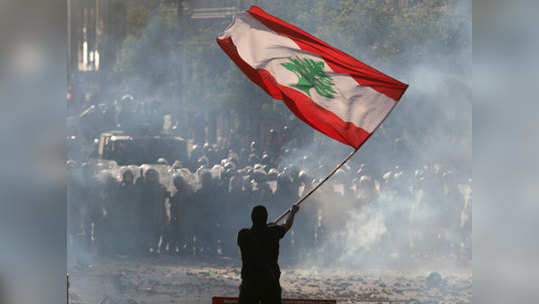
197, 207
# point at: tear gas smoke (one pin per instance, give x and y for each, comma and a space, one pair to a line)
417, 164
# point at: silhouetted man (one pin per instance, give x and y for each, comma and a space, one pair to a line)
259, 247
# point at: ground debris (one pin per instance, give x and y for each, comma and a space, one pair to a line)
149, 281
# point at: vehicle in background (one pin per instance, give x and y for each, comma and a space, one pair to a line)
131, 150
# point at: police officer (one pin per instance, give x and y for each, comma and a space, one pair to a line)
128, 203
235, 203
153, 213
205, 209
179, 210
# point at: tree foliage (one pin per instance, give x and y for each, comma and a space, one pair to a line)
161, 46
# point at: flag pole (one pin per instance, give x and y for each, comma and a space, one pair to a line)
317, 186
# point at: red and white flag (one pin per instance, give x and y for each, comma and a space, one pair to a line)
331, 91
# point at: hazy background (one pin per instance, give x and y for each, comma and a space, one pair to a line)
171, 62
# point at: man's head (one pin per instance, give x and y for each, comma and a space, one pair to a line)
178, 182
152, 176
259, 215
128, 177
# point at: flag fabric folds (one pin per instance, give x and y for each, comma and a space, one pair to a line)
331, 91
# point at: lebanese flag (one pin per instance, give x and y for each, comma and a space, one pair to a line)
326, 88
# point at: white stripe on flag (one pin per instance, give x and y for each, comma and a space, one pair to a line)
262, 48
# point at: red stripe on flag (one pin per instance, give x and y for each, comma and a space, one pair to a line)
265, 83
337, 60
301, 105
323, 120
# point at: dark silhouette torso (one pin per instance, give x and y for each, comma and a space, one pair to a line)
260, 252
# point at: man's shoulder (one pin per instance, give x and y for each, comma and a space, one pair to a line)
276, 227
243, 232
278, 230
243, 236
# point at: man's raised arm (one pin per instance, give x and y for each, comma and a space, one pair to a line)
290, 219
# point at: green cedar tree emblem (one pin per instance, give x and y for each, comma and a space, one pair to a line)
311, 75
